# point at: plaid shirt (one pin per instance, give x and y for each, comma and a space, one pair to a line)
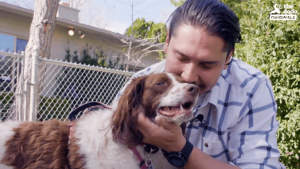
240, 124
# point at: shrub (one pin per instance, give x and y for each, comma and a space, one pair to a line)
52, 108
6, 102
273, 47
49, 108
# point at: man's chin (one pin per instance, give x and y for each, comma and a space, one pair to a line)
203, 90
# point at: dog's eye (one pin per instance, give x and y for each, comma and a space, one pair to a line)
160, 83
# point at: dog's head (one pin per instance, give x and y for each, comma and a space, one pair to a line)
162, 94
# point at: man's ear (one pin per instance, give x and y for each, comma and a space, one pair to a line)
167, 43
228, 58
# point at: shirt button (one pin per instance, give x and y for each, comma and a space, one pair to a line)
206, 144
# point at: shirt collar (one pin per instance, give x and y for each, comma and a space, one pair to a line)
213, 99
210, 97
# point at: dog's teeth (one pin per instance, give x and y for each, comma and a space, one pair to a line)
181, 108
191, 108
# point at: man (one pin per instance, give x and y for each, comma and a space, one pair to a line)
235, 99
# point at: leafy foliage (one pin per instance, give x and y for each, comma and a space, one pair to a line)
273, 47
148, 30
139, 28
83, 88
6, 103
93, 57
151, 31
158, 32
51, 108
177, 3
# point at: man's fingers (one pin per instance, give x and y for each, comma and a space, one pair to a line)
164, 123
148, 128
161, 134
145, 125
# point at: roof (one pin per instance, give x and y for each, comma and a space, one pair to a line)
107, 36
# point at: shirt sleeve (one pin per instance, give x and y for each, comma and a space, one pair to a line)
253, 142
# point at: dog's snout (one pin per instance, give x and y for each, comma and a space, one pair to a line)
192, 89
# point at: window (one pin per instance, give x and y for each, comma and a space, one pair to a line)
11, 44
7, 43
21, 45
8, 67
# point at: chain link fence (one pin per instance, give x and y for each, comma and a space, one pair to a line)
61, 86
10, 67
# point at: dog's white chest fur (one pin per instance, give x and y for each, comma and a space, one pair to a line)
94, 138
101, 151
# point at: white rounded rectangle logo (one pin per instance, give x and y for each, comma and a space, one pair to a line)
288, 13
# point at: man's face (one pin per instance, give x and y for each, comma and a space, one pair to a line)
196, 56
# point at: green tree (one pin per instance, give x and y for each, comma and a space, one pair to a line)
154, 33
177, 3
140, 28
273, 47
148, 30
157, 33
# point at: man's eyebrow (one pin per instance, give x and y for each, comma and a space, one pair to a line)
180, 53
202, 62
209, 62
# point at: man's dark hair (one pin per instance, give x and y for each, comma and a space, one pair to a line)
213, 15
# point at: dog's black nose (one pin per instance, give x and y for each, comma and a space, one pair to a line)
192, 89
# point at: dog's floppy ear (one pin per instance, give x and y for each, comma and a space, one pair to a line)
124, 119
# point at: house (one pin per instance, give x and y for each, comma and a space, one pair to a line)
14, 34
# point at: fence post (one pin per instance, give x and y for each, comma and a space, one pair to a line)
34, 81
22, 113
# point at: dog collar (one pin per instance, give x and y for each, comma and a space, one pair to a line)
73, 114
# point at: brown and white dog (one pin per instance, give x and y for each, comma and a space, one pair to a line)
101, 137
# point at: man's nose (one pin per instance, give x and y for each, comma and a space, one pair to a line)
189, 74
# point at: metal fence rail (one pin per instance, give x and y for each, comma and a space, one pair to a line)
61, 86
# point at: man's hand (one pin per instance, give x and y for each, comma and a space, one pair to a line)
166, 135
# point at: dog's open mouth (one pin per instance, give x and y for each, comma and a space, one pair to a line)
170, 111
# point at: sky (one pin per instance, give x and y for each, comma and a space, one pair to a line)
119, 16
151, 10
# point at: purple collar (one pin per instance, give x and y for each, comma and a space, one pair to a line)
142, 162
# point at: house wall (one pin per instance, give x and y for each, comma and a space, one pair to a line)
19, 26
62, 41
15, 25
